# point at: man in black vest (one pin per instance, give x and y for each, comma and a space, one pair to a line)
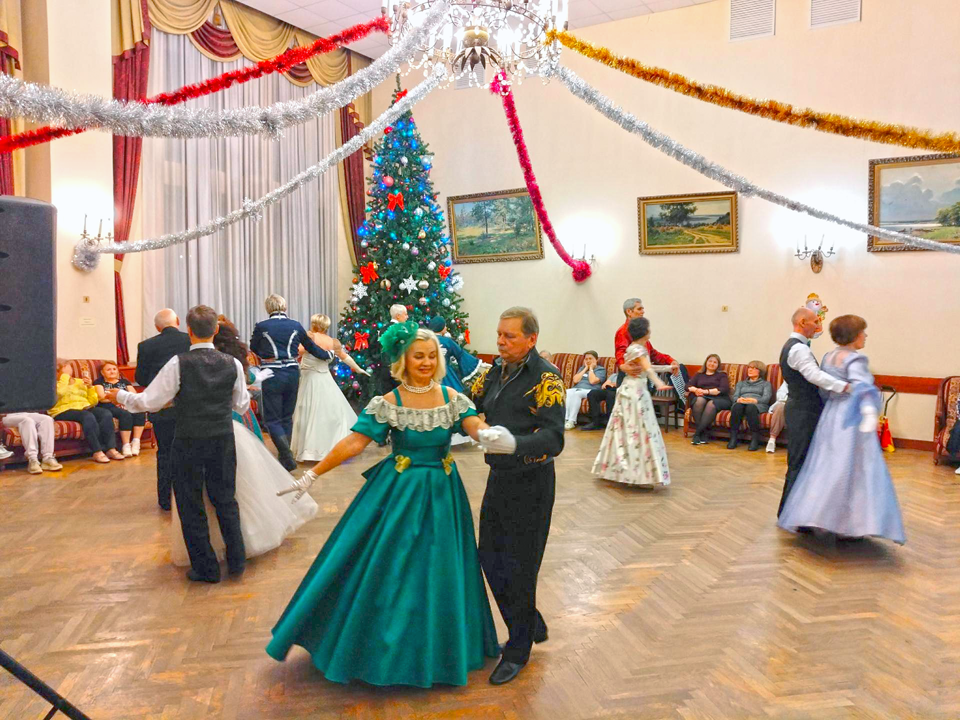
804, 405
208, 386
522, 396
152, 355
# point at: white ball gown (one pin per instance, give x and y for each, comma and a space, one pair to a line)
265, 519
323, 416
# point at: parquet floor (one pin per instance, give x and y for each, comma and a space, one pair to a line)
685, 602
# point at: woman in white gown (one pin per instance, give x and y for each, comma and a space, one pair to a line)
265, 519
323, 417
632, 450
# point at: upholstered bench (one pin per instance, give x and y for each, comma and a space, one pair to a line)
945, 418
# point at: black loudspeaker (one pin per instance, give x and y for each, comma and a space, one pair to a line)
28, 304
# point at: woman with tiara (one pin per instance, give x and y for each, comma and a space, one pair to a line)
396, 595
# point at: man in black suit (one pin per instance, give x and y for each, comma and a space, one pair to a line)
152, 355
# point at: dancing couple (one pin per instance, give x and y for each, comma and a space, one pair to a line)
396, 595
837, 479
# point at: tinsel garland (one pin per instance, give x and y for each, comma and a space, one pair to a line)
86, 255
501, 87
691, 159
889, 133
281, 63
40, 103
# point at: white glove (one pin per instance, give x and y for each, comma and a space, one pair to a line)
300, 485
362, 371
868, 421
498, 441
259, 375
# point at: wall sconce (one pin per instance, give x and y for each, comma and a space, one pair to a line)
591, 261
98, 240
816, 256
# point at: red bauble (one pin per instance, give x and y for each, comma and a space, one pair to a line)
388, 181
387, 130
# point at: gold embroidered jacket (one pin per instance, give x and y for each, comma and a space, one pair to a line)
529, 404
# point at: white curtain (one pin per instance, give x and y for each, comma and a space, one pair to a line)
291, 251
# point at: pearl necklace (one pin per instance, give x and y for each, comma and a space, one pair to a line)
419, 390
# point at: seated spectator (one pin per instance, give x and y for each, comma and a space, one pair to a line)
778, 421
751, 398
36, 433
708, 392
78, 402
587, 378
131, 424
548, 356
606, 394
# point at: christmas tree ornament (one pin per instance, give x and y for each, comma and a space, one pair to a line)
388, 181
395, 200
387, 130
364, 244
443, 271
406, 246
453, 308
414, 251
422, 234
431, 265
404, 161
369, 273
423, 284
423, 301
386, 284
408, 284
418, 212
446, 302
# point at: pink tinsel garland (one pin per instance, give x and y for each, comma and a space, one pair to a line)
499, 86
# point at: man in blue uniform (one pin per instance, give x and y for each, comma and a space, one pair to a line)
276, 341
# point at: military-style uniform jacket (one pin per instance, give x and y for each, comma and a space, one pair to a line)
529, 404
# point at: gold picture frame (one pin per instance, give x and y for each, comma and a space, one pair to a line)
494, 227
919, 195
688, 224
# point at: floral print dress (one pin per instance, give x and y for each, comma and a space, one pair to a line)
632, 451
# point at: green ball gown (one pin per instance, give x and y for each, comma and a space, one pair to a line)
396, 595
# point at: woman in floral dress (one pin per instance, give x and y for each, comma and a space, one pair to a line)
632, 451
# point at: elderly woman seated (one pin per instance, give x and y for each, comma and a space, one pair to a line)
78, 402
587, 378
751, 397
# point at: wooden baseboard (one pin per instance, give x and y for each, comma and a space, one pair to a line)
908, 444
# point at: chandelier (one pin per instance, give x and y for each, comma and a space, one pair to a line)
492, 34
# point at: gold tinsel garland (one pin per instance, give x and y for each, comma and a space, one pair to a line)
888, 133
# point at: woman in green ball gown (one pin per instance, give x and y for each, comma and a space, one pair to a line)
396, 596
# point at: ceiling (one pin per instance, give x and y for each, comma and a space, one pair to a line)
324, 17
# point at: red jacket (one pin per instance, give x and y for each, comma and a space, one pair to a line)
622, 339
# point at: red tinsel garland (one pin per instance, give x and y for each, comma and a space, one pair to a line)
281, 63
499, 86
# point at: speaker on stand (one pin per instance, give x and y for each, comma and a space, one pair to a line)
28, 304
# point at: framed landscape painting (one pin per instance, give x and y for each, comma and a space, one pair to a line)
494, 227
676, 224
916, 195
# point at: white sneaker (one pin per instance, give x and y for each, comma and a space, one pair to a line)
772, 445
126, 451
135, 446
50, 463
958, 471
33, 467
4, 453
569, 425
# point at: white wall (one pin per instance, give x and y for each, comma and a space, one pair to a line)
895, 65
81, 172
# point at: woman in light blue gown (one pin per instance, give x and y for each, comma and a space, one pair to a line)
845, 486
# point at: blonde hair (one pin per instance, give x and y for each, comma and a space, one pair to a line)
275, 303
319, 322
398, 369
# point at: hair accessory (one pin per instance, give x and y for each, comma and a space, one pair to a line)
397, 338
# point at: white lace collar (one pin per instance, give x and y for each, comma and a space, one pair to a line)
421, 420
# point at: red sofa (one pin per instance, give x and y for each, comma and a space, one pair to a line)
945, 418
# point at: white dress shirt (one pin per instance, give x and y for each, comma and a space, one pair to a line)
166, 385
801, 359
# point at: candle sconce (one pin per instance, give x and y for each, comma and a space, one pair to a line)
591, 261
816, 255
90, 240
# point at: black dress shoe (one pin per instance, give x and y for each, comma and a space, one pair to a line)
197, 577
754, 443
288, 463
541, 636
732, 445
593, 426
505, 672
237, 572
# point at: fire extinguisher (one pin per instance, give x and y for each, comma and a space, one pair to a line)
883, 426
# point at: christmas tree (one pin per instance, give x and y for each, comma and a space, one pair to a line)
404, 256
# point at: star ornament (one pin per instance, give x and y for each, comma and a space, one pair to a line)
395, 200
359, 291
408, 284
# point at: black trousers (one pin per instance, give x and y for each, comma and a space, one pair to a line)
280, 400
595, 397
164, 429
97, 425
514, 525
125, 419
802, 423
210, 463
739, 411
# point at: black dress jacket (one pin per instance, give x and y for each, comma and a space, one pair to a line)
154, 353
529, 403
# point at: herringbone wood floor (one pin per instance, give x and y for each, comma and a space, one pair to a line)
685, 602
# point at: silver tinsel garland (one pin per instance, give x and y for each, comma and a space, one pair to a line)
43, 104
691, 159
86, 254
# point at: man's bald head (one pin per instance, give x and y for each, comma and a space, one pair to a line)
804, 322
165, 318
